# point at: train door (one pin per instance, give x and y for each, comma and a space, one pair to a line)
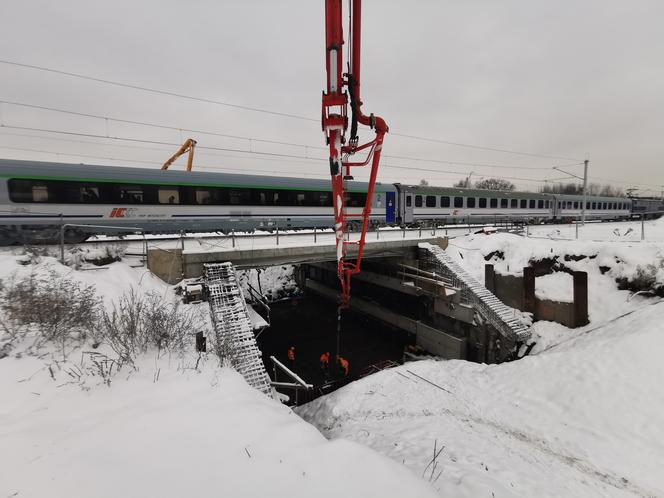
408, 208
390, 202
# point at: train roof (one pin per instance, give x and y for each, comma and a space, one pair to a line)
473, 192
10, 168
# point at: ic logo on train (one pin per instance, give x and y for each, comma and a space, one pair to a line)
118, 212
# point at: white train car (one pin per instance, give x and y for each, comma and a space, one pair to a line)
418, 204
569, 207
37, 198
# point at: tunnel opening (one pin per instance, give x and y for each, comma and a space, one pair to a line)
309, 324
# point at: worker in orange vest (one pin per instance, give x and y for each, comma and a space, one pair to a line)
291, 355
325, 362
343, 365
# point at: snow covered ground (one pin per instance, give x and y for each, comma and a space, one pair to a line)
579, 417
168, 428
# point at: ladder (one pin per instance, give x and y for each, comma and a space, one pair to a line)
234, 339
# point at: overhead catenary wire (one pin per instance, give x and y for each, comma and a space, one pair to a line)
260, 153
266, 155
268, 111
156, 91
269, 141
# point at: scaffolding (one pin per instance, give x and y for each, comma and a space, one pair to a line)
234, 336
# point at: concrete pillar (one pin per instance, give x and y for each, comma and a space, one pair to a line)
529, 289
489, 281
580, 279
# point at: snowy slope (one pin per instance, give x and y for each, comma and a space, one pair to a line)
583, 419
579, 417
187, 434
164, 430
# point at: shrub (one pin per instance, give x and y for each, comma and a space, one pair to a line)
55, 308
137, 322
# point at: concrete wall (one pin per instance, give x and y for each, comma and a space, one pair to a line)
519, 292
166, 264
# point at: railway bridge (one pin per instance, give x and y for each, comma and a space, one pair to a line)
407, 283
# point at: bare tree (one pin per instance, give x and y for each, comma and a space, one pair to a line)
495, 184
424, 183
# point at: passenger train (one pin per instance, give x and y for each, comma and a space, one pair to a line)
38, 198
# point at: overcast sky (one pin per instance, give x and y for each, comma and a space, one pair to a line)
567, 78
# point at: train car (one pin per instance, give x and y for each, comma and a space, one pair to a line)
37, 198
419, 204
648, 207
569, 207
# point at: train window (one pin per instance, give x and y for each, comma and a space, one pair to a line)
604, 205
357, 199
131, 194
169, 195
546, 204
540, 204
482, 202
569, 205
615, 205
531, 203
300, 199
458, 202
418, 201
560, 205
409, 201
77, 193
39, 193
238, 197
514, 203
576, 204
470, 202
445, 201
503, 203
431, 201
587, 204
524, 203
203, 196
324, 199
593, 205
493, 203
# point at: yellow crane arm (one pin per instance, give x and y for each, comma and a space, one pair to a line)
188, 146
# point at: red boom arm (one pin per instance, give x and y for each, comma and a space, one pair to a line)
335, 125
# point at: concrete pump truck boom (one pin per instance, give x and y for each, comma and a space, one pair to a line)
335, 125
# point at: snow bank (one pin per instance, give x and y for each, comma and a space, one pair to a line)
582, 419
165, 429
557, 286
189, 433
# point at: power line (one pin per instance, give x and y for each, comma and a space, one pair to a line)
269, 141
267, 111
154, 90
480, 147
260, 153
267, 155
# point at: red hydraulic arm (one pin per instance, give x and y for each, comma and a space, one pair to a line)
335, 124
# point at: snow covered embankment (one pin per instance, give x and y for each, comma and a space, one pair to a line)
580, 418
167, 427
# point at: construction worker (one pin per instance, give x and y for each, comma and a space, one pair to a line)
343, 365
291, 356
325, 362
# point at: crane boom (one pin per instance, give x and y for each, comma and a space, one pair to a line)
335, 124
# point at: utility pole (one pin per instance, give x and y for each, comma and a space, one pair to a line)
585, 188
